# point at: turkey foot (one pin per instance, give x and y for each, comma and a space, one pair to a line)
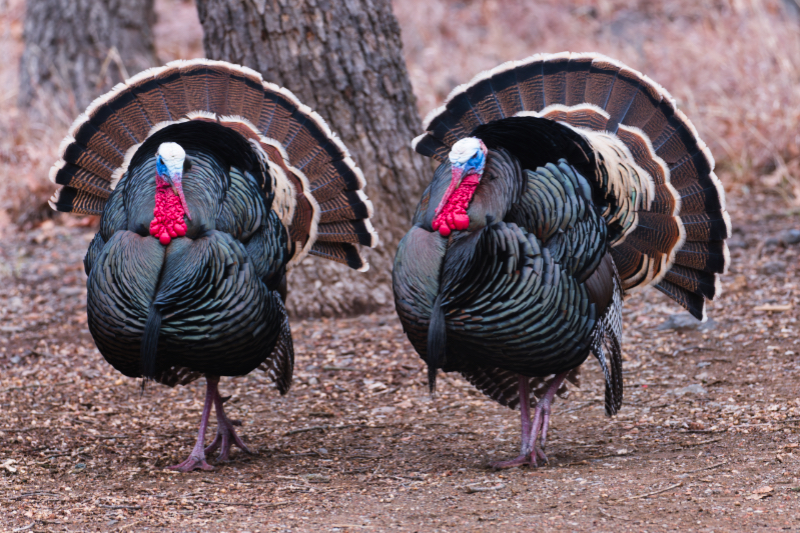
524, 457
541, 419
197, 459
226, 435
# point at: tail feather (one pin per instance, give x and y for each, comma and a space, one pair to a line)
601, 79
593, 92
279, 366
693, 302
706, 226
296, 140
357, 232
483, 100
280, 123
82, 180
644, 104
147, 91
554, 79
656, 233
530, 80
152, 329
698, 282
437, 342
504, 85
352, 205
710, 256
430, 146
697, 199
347, 254
577, 71
171, 88
626, 86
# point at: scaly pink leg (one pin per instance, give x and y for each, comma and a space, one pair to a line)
226, 436
541, 419
525, 419
197, 459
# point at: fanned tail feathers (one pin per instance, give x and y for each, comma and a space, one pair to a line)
676, 240
317, 185
279, 365
607, 348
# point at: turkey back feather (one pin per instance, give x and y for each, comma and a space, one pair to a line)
675, 238
317, 186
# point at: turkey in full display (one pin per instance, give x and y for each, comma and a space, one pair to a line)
211, 184
567, 181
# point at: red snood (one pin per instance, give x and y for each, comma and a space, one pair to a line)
168, 214
453, 215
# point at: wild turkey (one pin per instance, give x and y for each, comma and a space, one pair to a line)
211, 184
566, 181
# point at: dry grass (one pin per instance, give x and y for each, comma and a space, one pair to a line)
733, 66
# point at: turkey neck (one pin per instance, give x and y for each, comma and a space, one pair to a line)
498, 190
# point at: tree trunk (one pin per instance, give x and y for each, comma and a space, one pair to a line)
76, 50
344, 59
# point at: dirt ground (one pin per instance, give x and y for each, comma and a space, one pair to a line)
707, 439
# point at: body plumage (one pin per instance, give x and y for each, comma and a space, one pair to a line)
203, 213
590, 185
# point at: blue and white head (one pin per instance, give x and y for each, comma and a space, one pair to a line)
467, 160
467, 156
170, 165
170, 158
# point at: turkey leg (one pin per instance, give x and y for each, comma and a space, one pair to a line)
541, 418
525, 419
197, 459
226, 435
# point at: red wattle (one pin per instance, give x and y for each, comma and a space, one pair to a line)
453, 209
168, 214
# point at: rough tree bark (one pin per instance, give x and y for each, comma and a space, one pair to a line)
344, 59
77, 49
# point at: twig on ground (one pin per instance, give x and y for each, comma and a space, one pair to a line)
693, 444
472, 489
707, 467
586, 404
648, 494
244, 504
303, 430
35, 386
132, 524
615, 454
321, 428
369, 477
609, 515
130, 507
31, 495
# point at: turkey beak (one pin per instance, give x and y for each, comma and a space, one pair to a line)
455, 181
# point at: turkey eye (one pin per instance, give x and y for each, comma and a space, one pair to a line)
187, 165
